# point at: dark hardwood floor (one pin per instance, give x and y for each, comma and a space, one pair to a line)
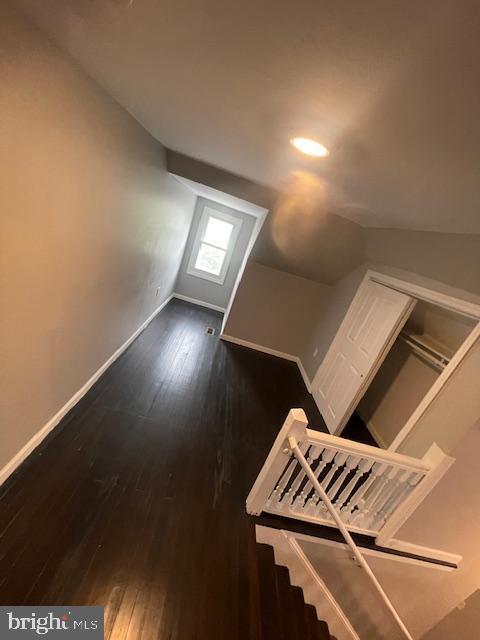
137, 500
356, 430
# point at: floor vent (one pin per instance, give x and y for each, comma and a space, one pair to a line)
210, 331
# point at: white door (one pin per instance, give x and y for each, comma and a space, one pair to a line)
371, 324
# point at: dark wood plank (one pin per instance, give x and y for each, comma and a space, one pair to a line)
137, 500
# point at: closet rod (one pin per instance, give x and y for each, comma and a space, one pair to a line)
428, 353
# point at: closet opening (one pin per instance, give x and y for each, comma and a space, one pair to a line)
424, 347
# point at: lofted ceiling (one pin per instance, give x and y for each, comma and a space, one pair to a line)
392, 88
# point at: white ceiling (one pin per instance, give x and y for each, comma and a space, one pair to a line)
393, 88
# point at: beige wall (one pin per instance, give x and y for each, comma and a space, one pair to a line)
451, 258
455, 410
91, 225
449, 519
397, 389
444, 327
275, 309
404, 378
462, 622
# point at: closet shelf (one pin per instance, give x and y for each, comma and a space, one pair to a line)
427, 348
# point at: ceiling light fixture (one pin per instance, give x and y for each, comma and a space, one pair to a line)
310, 147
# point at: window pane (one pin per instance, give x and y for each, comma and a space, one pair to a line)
218, 232
210, 259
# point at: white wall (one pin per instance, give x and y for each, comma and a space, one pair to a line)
205, 290
328, 316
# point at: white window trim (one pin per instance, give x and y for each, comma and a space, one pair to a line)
206, 214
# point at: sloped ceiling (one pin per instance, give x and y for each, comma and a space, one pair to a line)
393, 88
300, 235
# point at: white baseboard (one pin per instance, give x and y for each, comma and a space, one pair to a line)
259, 347
25, 451
304, 374
200, 303
288, 553
271, 352
384, 555
426, 552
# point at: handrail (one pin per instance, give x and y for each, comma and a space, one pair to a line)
373, 490
295, 449
351, 447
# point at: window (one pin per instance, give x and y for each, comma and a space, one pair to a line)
213, 246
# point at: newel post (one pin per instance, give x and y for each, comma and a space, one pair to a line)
295, 425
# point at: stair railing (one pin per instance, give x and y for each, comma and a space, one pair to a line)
357, 555
372, 490
323, 479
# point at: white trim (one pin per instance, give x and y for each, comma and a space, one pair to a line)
375, 365
207, 213
435, 297
295, 423
258, 347
199, 303
423, 293
352, 448
25, 451
253, 237
426, 552
221, 197
304, 374
271, 352
407, 547
448, 302
440, 382
288, 553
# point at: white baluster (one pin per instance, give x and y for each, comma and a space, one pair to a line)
285, 502
276, 495
363, 468
338, 462
351, 465
327, 456
388, 489
412, 479
299, 501
370, 495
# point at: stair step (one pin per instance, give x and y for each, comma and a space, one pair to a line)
270, 620
312, 622
323, 631
288, 607
299, 612
284, 615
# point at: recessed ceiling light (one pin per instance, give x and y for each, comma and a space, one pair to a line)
310, 147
